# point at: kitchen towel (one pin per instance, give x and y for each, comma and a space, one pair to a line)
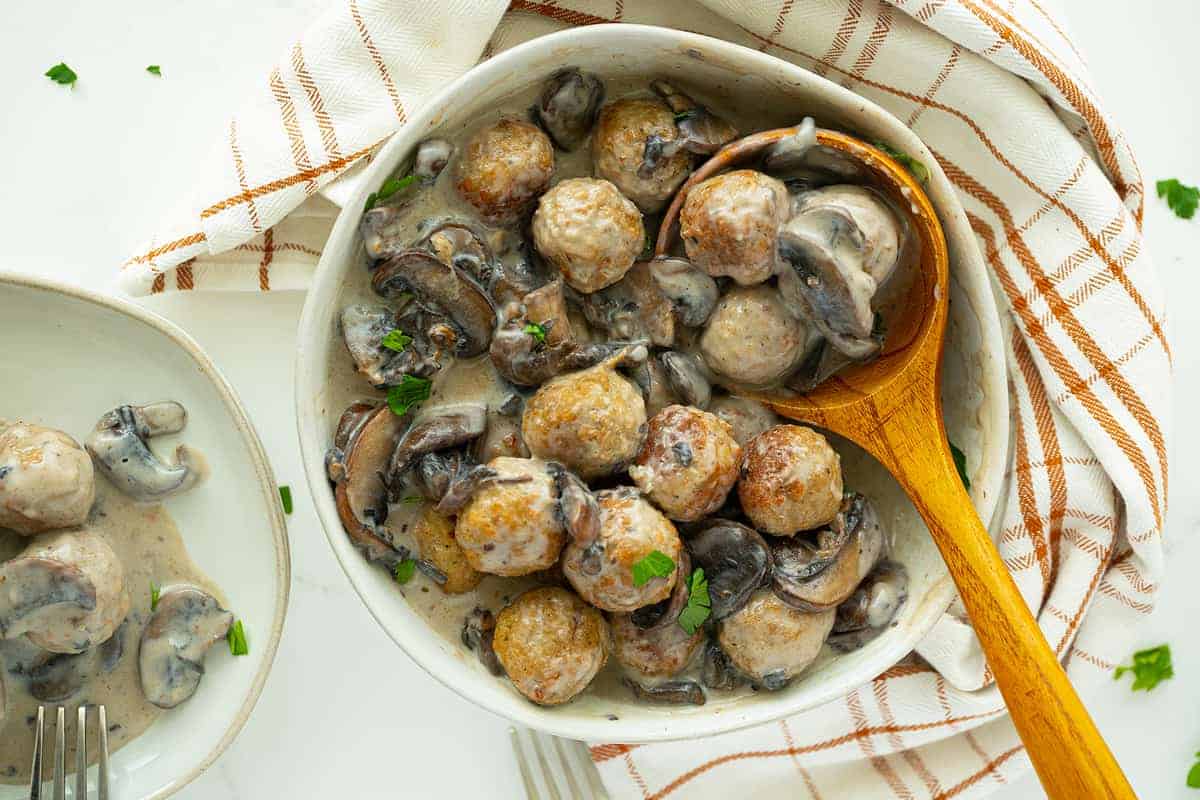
1000, 95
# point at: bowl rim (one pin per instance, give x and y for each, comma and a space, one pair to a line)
262, 470
985, 488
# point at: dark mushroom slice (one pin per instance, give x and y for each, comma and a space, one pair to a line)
547, 306
568, 106
462, 244
363, 330
438, 429
362, 497
821, 576
431, 158
479, 627
351, 422
184, 625
692, 291
876, 600
380, 232
580, 515
657, 392
675, 693
36, 588
699, 130
59, 676
521, 359
120, 446
688, 378
446, 289
735, 559
717, 671
468, 480
631, 309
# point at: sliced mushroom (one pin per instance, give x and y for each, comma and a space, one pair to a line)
568, 106
688, 378
185, 624
381, 231
479, 628
666, 612
438, 429
699, 130
692, 291
675, 693
363, 330
580, 514
351, 422
520, 358
819, 577
362, 498
717, 671
735, 560
468, 480
876, 600
37, 588
651, 377
632, 308
431, 158
462, 244
119, 444
448, 290
547, 307
59, 676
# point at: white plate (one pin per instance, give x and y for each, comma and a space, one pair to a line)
69, 356
974, 382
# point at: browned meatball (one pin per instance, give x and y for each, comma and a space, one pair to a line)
729, 223
771, 641
46, 479
619, 142
791, 480
748, 418
551, 644
434, 535
586, 228
688, 463
751, 338
658, 652
504, 167
512, 527
630, 530
592, 421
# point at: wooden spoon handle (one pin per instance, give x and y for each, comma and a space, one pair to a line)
1067, 750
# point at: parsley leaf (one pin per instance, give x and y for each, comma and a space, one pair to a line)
1150, 667
154, 69
1182, 198
410, 392
647, 247
285, 494
916, 167
960, 464
155, 594
236, 637
389, 188
1193, 778
61, 73
396, 340
680, 116
699, 603
536, 330
656, 565
412, 500
403, 571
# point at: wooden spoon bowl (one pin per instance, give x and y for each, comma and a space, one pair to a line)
891, 407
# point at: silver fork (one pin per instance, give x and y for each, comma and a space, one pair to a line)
553, 768
60, 754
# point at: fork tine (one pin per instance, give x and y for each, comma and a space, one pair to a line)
522, 764
81, 754
543, 762
60, 754
103, 776
35, 771
565, 760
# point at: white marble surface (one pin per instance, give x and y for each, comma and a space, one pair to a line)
345, 713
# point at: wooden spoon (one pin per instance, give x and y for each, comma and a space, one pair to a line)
892, 408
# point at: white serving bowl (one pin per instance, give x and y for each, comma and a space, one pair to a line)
71, 355
780, 94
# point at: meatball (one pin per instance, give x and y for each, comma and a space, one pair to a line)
618, 146
688, 463
751, 337
434, 535
504, 167
630, 530
791, 480
657, 652
729, 223
512, 527
772, 642
586, 228
748, 418
551, 644
592, 421
46, 479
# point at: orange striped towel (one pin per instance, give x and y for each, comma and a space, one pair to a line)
1050, 186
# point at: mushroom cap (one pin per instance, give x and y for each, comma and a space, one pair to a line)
881, 229
632, 309
661, 651
361, 496
630, 530
551, 644
692, 292
568, 105
592, 421
434, 535
735, 560
747, 417
186, 623
772, 642
512, 528
46, 479
619, 144
119, 444
751, 338
688, 463
588, 230
791, 480
728, 224
504, 167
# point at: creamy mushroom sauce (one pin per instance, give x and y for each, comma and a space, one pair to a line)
476, 380
152, 551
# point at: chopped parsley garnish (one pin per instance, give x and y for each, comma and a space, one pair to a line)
536, 330
960, 464
61, 73
699, 605
1193, 778
1182, 198
917, 168
404, 570
236, 637
1150, 667
647, 247
655, 565
680, 116
285, 494
155, 594
410, 392
389, 188
412, 500
154, 69
396, 340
